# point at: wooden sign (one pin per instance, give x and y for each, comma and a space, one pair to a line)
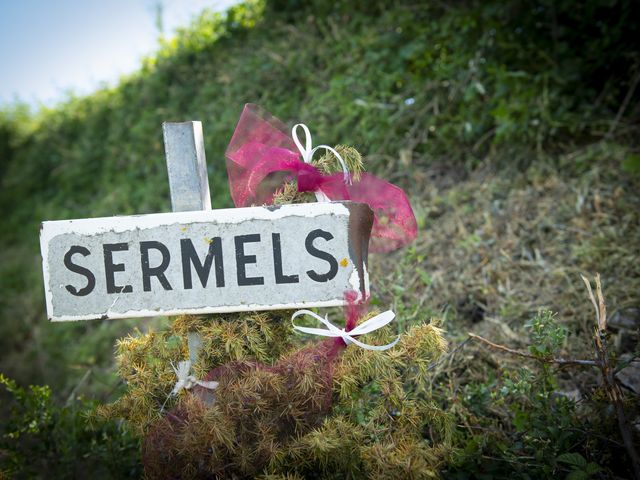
231, 260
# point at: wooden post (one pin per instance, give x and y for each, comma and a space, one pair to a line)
187, 166
188, 181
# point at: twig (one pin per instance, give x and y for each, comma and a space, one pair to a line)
483, 139
107, 396
623, 107
448, 355
79, 385
611, 385
557, 361
596, 435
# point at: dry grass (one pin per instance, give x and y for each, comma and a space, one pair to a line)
498, 245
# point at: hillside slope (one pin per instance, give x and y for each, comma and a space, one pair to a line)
514, 128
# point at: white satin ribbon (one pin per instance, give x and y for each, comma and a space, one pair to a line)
307, 154
186, 381
370, 325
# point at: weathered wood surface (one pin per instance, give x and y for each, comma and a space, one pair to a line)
188, 182
186, 166
258, 258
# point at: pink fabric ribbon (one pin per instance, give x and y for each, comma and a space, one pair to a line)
262, 156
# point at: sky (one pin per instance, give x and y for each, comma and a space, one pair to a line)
51, 47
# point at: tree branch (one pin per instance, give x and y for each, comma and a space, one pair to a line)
557, 361
610, 384
623, 107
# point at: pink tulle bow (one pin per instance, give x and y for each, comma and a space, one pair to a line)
262, 156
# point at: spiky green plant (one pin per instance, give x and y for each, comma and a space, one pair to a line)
284, 406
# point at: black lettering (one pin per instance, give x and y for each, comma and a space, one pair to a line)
91, 279
158, 272
190, 257
333, 263
242, 260
111, 268
277, 262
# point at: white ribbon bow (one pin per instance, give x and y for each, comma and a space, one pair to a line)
370, 325
307, 154
187, 381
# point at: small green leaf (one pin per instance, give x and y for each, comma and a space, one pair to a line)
577, 475
425, 277
521, 420
631, 164
592, 468
574, 459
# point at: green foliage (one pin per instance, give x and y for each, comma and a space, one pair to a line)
43, 437
408, 84
280, 406
547, 336
273, 416
144, 359
427, 91
580, 468
541, 434
631, 164
524, 425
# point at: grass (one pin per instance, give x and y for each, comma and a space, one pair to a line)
496, 246
513, 129
502, 243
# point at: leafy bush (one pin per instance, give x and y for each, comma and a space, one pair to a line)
547, 336
43, 437
545, 433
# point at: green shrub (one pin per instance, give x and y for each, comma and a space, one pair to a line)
42, 438
524, 424
547, 336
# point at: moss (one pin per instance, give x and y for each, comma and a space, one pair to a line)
281, 415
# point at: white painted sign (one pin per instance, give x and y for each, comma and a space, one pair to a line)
260, 258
